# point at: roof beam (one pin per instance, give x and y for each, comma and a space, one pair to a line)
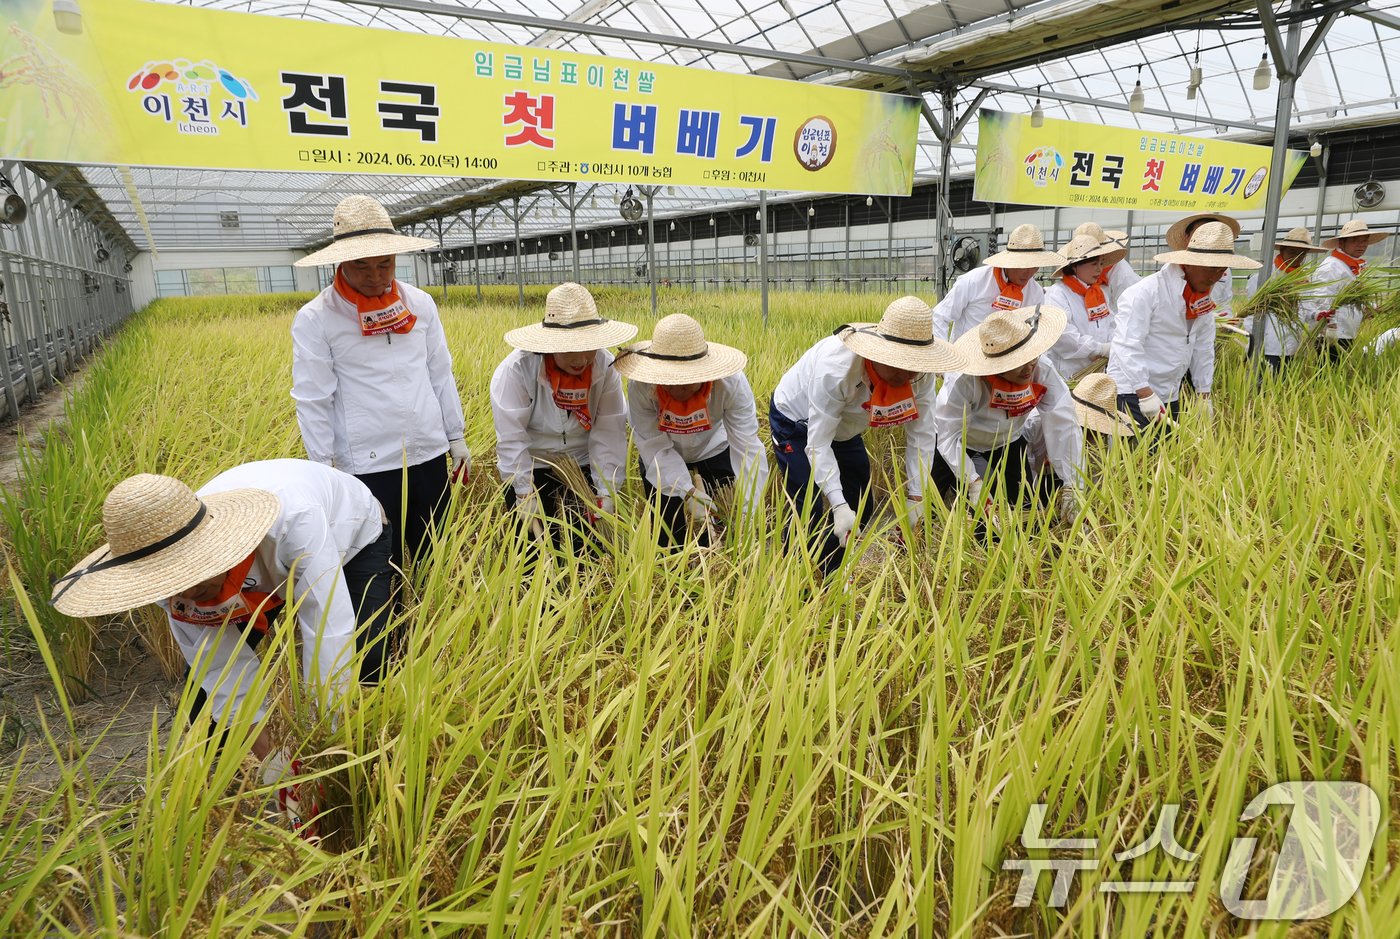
1376, 16
630, 35
1101, 103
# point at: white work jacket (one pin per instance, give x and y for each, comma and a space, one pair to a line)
966, 421
373, 403
1121, 276
1331, 276
825, 390
1083, 340
1154, 343
532, 432
970, 302
327, 518
734, 420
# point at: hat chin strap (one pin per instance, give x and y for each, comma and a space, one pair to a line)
71, 578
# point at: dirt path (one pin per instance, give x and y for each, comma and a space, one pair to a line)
115, 721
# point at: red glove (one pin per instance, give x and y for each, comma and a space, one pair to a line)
1325, 315
462, 474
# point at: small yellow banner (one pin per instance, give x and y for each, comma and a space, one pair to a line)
1067, 163
155, 84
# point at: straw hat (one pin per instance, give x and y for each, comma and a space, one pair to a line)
1084, 248
360, 228
1352, 229
571, 324
1177, 237
1297, 238
677, 354
1096, 404
1211, 245
902, 339
1025, 248
163, 539
1118, 247
1009, 339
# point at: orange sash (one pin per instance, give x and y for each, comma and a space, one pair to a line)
233, 604
690, 416
378, 315
1103, 277
1009, 296
889, 404
1095, 303
570, 392
1014, 399
1356, 264
1281, 265
1197, 304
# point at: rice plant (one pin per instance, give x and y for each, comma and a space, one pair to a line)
714, 742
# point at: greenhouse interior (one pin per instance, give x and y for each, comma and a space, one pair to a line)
735, 667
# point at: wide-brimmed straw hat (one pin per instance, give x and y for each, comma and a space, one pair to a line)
1297, 238
162, 539
677, 354
360, 228
1025, 248
902, 339
1117, 248
1177, 237
1096, 404
1211, 245
571, 324
1009, 339
1083, 248
1352, 229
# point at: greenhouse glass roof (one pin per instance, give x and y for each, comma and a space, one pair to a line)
1081, 57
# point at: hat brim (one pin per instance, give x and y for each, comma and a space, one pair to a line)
1118, 426
1102, 251
364, 246
937, 356
1022, 259
1372, 237
236, 521
969, 345
1199, 259
718, 362
539, 338
1298, 244
1177, 239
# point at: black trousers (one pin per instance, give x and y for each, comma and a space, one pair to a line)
559, 502
1336, 351
716, 471
1009, 466
370, 580
415, 501
852, 462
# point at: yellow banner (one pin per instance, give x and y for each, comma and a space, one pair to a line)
161, 85
1088, 165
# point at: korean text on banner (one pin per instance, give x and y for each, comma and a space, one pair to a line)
1067, 163
156, 84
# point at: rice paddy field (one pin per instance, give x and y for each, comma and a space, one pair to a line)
715, 743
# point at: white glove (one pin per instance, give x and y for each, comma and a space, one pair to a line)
914, 511
1206, 405
461, 460
974, 494
698, 506
1104, 349
605, 506
298, 800
843, 523
527, 505
1152, 407
1069, 504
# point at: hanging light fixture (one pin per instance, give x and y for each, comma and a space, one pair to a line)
1194, 85
673, 226
1316, 149
869, 200
1037, 112
811, 211
1261, 74
593, 202
712, 221
1136, 101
